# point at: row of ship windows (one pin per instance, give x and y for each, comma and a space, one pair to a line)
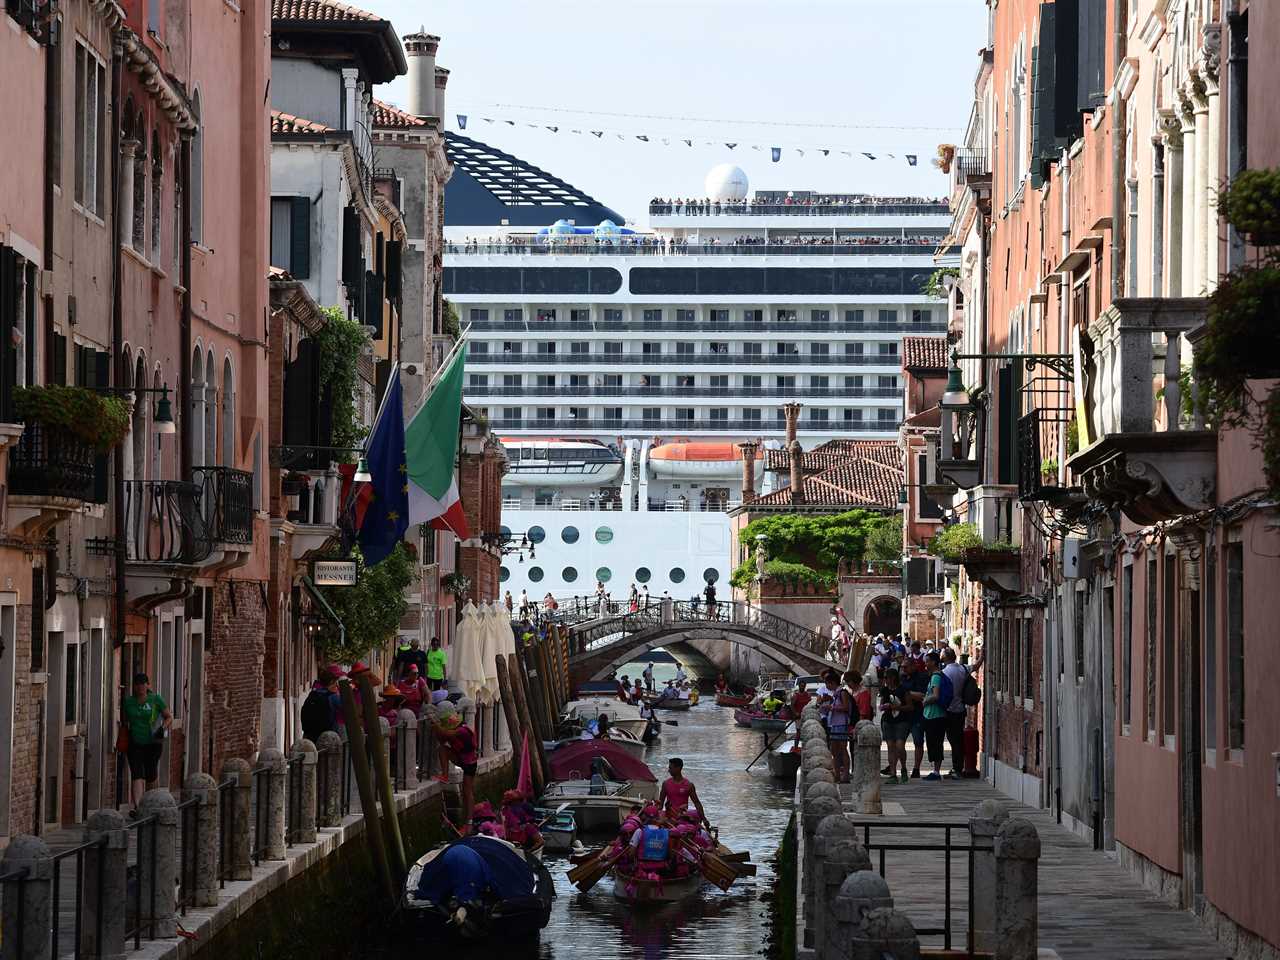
714, 381
653, 348
604, 575
853, 317
513, 415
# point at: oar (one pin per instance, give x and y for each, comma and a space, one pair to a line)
589, 874
768, 745
555, 813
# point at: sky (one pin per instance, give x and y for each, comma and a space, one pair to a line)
863, 76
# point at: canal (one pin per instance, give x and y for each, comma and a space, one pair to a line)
751, 811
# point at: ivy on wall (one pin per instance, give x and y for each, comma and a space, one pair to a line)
340, 343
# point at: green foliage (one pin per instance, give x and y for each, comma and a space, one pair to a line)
1251, 203
341, 342
952, 541
785, 570
99, 420
452, 325
372, 608
1049, 466
1073, 437
933, 287
817, 541
884, 542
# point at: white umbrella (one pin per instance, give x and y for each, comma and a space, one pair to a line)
493, 648
468, 673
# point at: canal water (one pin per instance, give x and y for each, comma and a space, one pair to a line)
751, 811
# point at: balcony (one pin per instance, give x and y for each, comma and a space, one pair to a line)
165, 524
312, 509
890, 360
51, 476
1033, 483
633, 392
226, 503
671, 425
817, 207
997, 569
643, 247
706, 327
1153, 461
970, 168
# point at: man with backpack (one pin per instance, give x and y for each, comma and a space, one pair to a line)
936, 701
955, 710
320, 710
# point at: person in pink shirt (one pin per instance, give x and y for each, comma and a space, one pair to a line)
677, 792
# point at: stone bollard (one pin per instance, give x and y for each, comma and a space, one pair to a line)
330, 745
843, 859
834, 829
885, 934
814, 777
304, 831
276, 783
1017, 850
106, 869
159, 886
866, 768
32, 900
859, 894
817, 807
238, 847
812, 727
984, 821
408, 749
810, 761
204, 860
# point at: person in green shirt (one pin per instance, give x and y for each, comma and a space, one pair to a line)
436, 660
144, 717
935, 715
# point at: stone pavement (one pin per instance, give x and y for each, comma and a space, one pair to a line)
1090, 906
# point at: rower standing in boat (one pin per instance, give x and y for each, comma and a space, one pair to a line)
677, 792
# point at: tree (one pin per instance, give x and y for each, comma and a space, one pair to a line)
884, 543
370, 609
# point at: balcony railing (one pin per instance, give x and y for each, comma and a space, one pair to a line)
631, 391
712, 208
692, 359
970, 165
587, 327
587, 247
165, 523
226, 501
52, 462
673, 425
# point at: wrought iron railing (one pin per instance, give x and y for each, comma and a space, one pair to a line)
632, 391
970, 164
1029, 462
715, 208
226, 829
165, 523
188, 852
53, 462
679, 425
226, 502
897, 245
892, 361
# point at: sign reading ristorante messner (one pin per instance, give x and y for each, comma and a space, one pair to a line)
333, 573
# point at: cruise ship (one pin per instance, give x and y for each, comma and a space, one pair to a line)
622, 364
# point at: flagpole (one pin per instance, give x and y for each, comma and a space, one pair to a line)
439, 371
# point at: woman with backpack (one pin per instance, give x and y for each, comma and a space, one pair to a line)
936, 701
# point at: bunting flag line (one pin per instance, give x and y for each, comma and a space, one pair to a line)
462, 121
776, 152
911, 159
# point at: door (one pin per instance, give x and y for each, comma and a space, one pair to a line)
1191, 749
8, 652
53, 750
194, 701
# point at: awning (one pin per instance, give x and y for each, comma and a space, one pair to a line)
318, 597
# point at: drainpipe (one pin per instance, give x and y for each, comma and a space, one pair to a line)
117, 335
184, 360
50, 119
1119, 134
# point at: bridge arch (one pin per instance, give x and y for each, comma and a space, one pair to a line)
882, 614
621, 653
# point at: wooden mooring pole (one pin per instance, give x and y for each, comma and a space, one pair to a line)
364, 783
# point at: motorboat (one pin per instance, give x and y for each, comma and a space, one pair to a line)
600, 781
624, 738
637, 889
622, 716
769, 724
785, 761
559, 830
477, 888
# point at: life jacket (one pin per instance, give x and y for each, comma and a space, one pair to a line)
655, 844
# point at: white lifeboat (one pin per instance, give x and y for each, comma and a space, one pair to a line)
696, 460
562, 463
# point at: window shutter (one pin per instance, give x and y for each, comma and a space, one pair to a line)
351, 267
1067, 122
394, 287
1037, 176
1005, 465
58, 357
1045, 146
373, 302
1091, 83
8, 320
300, 237
102, 462
300, 394
918, 576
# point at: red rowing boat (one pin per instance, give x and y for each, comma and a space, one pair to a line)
732, 700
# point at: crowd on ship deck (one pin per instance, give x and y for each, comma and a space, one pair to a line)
706, 206
657, 245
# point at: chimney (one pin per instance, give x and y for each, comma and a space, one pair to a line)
792, 412
797, 459
420, 50
748, 470
442, 78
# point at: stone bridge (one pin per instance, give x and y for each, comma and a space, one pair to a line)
603, 645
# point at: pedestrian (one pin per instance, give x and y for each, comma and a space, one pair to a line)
409, 652
644, 596
144, 718
935, 719
839, 719
458, 743
437, 661
508, 602
710, 594
321, 707
647, 674
416, 691
864, 708
895, 722
955, 710
915, 684
799, 700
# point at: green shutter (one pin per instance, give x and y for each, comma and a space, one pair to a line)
102, 462
300, 237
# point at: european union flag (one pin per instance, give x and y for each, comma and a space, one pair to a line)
387, 516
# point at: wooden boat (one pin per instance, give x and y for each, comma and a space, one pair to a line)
559, 830
667, 703
668, 890
622, 716
598, 806
443, 898
742, 717
785, 761
768, 724
733, 700
623, 738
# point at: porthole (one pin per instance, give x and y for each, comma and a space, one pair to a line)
569, 574
503, 574
504, 531
536, 534
569, 534
604, 535
711, 574
603, 574
643, 574
676, 575
535, 574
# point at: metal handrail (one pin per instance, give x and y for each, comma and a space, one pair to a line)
145, 823
58, 859
226, 827
870, 425
720, 208
188, 852
261, 812
899, 245
293, 800
707, 326
632, 391
226, 501
19, 877
892, 361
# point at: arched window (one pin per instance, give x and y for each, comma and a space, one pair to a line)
140, 188
139, 428
210, 414
228, 415
197, 175
157, 181
195, 421
157, 451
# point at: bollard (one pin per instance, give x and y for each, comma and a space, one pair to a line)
158, 863
859, 894
816, 761
885, 934
844, 858
106, 870
305, 828
815, 745
814, 777
239, 846
330, 744
408, 748
984, 821
866, 768
833, 829
28, 906
816, 809
811, 727
1017, 851
277, 782
204, 860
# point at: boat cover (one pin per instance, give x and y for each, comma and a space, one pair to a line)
574, 761
467, 867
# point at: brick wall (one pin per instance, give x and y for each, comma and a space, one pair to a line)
233, 672
28, 700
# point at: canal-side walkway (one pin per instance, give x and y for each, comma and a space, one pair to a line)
1089, 905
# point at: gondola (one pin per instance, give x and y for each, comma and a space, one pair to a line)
742, 717
477, 888
559, 830
769, 724
785, 761
636, 890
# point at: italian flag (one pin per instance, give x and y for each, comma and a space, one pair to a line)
430, 450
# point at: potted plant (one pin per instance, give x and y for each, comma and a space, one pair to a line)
96, 419
455, 583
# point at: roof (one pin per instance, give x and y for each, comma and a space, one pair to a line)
286, 123
322, 10
811, 461
491, 188
386, 116
925, 418
856, 483
924, 353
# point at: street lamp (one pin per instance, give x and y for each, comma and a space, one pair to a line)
162, 416
362, 474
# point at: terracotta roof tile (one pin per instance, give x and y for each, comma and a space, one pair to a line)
925, 418
285, 123
324, 10
857, 483
924, 353
386, 116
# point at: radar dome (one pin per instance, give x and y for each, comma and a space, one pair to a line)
607, 228
726, 182
563, 227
